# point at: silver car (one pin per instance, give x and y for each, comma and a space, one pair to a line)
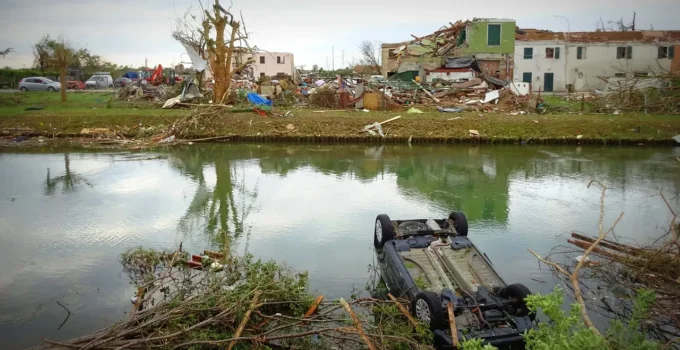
38, 84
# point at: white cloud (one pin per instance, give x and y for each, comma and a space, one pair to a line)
128, 32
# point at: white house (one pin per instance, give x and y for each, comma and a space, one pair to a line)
563, 62
272, 63
265, 64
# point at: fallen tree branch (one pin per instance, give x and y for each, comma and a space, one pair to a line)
67, 316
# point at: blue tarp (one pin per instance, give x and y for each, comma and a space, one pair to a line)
131, 75
258, 100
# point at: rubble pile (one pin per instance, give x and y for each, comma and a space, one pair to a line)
440, 43
139, 91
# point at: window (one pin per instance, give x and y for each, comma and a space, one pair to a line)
493, 37
281, 74
392, 53
640, 74
261, 59
526, 77
262, 74
620, 75
557, 53
581, 53
528, 53
666, 52
624, 52
549, 52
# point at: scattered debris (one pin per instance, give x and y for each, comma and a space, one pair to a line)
290, 127
474, 133
88, 131
414, 110
449, 110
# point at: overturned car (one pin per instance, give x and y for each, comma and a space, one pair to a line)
433, 264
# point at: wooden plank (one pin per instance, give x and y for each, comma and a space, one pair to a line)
436, 100
452, 324
314, 306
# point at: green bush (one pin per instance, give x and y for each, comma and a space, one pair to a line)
566, 331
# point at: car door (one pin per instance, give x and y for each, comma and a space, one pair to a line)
41, 85
31, 84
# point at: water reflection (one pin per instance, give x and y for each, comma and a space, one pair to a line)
214, 210
69, 180
309, 206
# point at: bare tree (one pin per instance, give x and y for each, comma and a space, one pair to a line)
621, 26
220, 50
41, 53
368, 51
187, 32
64, 55
6, 51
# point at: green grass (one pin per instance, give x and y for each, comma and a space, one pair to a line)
87, 110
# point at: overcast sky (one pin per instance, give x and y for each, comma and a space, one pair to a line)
128, 31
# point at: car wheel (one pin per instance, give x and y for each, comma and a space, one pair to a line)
110, 86
23, 88
517, 292
49, 88
383, 232
427, 308
460, 222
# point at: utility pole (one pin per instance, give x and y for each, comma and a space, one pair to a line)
145, 63
343, 59
333, 56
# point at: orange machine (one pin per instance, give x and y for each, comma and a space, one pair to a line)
154, 76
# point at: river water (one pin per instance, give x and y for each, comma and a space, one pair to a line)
66, 215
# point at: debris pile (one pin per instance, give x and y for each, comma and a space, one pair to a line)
139, 91
220, 300
440, 43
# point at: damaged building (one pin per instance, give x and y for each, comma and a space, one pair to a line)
588, 61
456, 52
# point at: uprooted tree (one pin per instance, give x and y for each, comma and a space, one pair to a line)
221, 50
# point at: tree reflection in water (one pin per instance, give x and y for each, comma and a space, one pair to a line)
69, 181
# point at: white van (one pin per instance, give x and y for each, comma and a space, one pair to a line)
100, 80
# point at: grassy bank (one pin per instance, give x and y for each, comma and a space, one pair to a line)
95, 110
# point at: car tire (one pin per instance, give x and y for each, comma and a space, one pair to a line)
517, 292
24, 89
49, 88
460, 222
110, 86
383, 231
427, 307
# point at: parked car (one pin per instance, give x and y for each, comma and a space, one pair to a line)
122, 81
433, 264
99, 81
38, 84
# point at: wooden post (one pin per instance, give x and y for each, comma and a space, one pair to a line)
452, 324
583, 101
